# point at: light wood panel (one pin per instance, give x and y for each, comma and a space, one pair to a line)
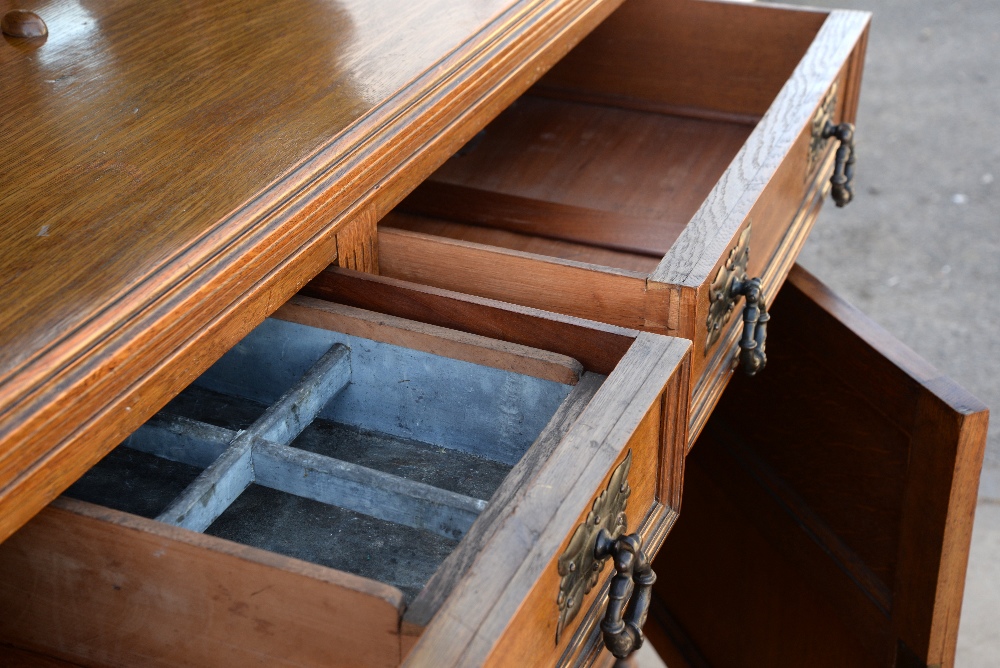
516, 241
628, 233
598, 346
357, 242
432, 339
118, 590
587, 291
613, 178
705, 59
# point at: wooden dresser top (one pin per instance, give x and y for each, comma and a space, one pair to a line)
170, 172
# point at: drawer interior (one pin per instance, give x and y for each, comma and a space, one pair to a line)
609, 157
327, 492
405, 449
353, 477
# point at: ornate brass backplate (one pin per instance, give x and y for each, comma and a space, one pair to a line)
824, 115
578, 566
722, 296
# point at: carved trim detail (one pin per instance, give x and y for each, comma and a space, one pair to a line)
722, 295
578, 566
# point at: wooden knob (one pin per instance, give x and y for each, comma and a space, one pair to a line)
22, 23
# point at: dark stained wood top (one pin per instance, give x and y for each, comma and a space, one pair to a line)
171, 172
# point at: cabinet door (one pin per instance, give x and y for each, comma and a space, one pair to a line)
828, 504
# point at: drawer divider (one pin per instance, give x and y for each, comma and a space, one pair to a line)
233, 460
213, 491
181, 439
225, 479
365, 490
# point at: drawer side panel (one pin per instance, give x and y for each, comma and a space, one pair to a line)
105, 588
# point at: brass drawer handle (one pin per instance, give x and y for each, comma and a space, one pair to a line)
729, 285
843, 171
752, 358
627, 606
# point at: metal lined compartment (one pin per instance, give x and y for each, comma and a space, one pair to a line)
348, 452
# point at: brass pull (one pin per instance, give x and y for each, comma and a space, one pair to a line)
843, 171
627, 606
753, 358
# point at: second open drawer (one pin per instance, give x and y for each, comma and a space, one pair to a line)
347, 482
678, 151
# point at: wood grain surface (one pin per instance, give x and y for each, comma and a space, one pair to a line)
173, 173
699, 59
613, 178
518, 241
584, 290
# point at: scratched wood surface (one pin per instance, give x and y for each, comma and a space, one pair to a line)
172, 173
107, 588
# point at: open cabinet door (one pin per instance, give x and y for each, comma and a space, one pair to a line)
828, 504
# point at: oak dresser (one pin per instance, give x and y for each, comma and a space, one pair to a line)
366, 333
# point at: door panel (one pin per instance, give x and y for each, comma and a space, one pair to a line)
828, 504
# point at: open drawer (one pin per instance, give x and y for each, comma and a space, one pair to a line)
828, 505
674, 153
347, 482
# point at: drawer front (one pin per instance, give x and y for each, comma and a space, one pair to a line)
772, 232
508, 610
828, 504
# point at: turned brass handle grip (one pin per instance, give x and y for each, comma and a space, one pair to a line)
843, 170
753, 358
629, 595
